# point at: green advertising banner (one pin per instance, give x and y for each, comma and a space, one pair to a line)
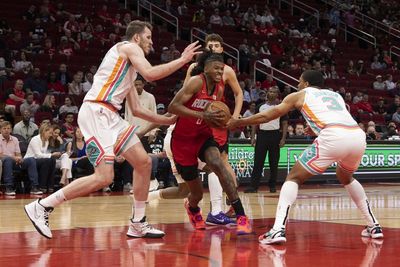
378, 159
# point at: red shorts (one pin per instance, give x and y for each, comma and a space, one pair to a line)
220, 136
186, 150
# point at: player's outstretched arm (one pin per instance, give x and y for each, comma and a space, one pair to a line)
151, 126
290, 102
153, 73
133, 102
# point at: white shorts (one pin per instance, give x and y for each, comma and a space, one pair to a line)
106, 134
345, 146
167, 149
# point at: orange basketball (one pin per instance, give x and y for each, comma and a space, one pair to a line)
218, 105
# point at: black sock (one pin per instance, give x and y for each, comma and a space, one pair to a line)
238, 207
194, 210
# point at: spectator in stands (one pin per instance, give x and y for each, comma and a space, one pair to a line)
37, 34
377, 65
103, 14
299, 131
48, 48
68, 107
53, 85
199, 16
290, 132
277, 48
15, 97
88, 82
379, 84
71, 25
262, 98
68, 127
182, 9
396, 116
64, 163
49, 105
166, 56
75, 87
396, 91
30, 14
22, 65
45, 162
11, 158
29, 104
227, 19
77, 151
364, 106
351, 69
251, 110
268, 82
325, 72
215, 18
229, 62
389, 84
174, 52
35, 83
334, 74
362, 126
25, 128
68, 45
380, 107
255, 91
391, 132
161, 109
264, 50
63, 75
169, 8
123, 172
246, 94
360, 68
147, 101
358, 97
87, 33
371, 133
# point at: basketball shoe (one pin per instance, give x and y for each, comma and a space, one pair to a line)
39, 217
243, 225
373, 231
196, 219
219, 219
273, 237
143, 229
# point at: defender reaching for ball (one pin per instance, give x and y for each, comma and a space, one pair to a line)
339, 140
192, 139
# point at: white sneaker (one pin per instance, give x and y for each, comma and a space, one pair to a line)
39, 217
273, 237
372, 232
143, 229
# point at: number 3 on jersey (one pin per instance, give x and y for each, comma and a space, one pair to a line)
332, 103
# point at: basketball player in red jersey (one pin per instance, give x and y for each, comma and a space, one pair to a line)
192, 138
216, 216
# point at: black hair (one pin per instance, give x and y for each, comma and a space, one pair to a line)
314, 78
203, 59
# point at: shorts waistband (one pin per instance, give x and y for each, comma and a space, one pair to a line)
105, 104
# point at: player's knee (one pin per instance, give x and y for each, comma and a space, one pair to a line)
145, 163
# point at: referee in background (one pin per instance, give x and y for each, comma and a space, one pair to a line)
271, 137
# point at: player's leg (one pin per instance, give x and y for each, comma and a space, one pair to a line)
141, 163
301, 171
212, 156
39, 210
191, 176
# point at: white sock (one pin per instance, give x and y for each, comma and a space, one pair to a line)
357, 194
215, 193
139, 208
287, 197
153, 195
54, 199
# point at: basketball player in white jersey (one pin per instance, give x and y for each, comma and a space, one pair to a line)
216, 215
339, 140
107, 135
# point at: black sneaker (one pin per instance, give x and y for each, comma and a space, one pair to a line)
35, 191
9, 191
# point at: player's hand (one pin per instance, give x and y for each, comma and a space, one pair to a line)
190, 51
233, 123
215, 117
170, 119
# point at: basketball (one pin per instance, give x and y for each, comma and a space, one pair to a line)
218, 105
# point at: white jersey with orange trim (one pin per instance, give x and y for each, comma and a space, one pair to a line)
323, 108
113, 79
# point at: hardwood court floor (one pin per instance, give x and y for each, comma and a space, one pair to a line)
324, 230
